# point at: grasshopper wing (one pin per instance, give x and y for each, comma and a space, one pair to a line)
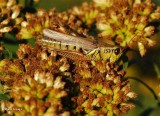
84, 43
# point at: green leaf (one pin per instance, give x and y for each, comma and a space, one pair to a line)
125, 65
4, 97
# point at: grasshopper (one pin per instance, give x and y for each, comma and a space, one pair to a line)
79, 48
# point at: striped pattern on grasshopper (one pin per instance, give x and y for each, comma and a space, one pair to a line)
78, 48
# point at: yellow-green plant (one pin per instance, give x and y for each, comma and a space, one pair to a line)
39, 81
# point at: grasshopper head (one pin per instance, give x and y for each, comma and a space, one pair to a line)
111, 54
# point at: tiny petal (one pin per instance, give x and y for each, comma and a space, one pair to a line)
150, 42
131, 95
149, 30
58, 84
5, 29
141, 48
24, 24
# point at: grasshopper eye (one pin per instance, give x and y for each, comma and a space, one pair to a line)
117, 51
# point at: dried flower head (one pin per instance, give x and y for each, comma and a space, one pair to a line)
35, 80
104, 91
38, 95
10, 16
35, 23
82, 18
129, 23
